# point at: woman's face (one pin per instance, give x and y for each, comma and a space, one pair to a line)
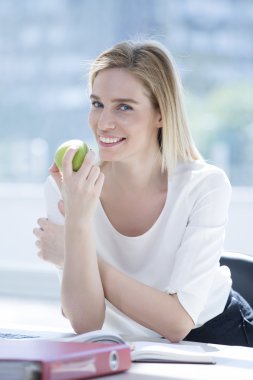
122, 117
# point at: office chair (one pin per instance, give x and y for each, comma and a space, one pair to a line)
241, 267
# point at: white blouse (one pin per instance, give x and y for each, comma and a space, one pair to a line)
179, 253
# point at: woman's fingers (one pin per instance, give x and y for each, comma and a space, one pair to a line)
38, 244
93, 175
43, 222
89, 175
100, 182
50, 241
56, 174
37, 232
67, 168
61, 207
96, 179
87, 165
54, 168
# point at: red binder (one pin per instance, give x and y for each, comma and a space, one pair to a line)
50, 360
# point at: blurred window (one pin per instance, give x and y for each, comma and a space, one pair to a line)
44, 49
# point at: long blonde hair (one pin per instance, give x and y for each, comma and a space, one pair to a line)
151, 62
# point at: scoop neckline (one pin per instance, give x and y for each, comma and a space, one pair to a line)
149, 231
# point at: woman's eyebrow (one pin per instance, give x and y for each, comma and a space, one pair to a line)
124, 100
117, 100
93, 96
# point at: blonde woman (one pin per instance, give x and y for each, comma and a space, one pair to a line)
144, 229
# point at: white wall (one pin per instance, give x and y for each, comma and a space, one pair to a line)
239, 236
23, 273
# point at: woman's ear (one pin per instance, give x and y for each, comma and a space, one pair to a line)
159, 121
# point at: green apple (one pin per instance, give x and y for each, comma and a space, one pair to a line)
79, 156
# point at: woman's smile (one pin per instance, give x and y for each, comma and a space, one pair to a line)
109, 141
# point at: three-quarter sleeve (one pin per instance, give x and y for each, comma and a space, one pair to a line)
197, 258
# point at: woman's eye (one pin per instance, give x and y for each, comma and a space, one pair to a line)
125, 107
96, 104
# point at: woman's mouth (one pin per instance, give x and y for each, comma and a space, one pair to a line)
110, 141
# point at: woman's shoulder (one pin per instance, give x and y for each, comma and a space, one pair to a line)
202, 173
199, 168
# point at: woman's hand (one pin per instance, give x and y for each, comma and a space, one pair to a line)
50, 241
80, 190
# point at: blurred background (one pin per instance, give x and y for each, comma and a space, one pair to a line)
44, 49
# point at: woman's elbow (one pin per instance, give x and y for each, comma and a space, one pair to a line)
82, 323
180, 330
82, 327
177, 336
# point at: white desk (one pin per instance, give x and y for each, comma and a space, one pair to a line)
231, 363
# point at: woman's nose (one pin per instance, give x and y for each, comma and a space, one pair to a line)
106, 120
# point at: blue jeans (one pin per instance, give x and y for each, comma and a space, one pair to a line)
234, 326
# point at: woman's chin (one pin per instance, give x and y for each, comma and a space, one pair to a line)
107, 156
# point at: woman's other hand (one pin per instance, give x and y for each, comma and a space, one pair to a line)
50, 241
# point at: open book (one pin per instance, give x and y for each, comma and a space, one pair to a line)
148, 350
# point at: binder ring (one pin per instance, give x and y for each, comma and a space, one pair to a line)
114, 360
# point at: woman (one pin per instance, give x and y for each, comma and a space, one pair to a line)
144, 230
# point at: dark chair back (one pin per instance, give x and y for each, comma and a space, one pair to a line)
241, 267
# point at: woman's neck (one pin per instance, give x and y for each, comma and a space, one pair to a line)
136, 176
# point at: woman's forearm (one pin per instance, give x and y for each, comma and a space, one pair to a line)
150, 307
82, 292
